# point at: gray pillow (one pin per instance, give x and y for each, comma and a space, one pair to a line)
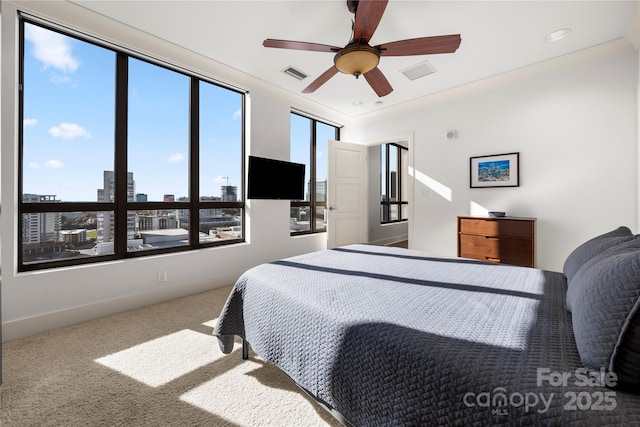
605, 302
593, 247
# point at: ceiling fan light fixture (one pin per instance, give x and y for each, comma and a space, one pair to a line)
357, 59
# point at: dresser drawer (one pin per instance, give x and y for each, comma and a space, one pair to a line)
504, 250
479, 247
496, 227
506, 240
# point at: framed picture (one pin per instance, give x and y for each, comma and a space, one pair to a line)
498, 170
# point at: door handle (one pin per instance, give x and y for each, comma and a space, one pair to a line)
331, 208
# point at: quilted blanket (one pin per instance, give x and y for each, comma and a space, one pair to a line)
390, 337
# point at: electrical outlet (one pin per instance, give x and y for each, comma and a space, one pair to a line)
162, 276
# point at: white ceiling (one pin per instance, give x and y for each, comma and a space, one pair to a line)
497, 37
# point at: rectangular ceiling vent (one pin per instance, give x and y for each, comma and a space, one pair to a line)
419, 70
295, 73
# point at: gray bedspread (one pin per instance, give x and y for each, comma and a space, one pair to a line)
389, 337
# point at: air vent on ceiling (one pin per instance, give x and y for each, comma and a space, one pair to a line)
295, 73
419, 70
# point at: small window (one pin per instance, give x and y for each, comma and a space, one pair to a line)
393, 185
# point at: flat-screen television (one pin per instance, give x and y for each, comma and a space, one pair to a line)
275, 179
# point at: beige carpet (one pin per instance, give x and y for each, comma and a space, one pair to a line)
156, 366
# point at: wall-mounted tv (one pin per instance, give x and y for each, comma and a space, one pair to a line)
275, 179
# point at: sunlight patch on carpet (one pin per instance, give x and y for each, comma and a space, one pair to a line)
162, 360
252, 393
211, 323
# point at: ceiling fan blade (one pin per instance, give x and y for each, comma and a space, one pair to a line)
324, 77
421, 46
289, 44
368, 16
378, 82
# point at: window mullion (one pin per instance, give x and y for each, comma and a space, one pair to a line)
387, 206
399, 177
312, 179
120, 167
194, 166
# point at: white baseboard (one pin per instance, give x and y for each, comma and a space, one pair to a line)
25, 327
391, 240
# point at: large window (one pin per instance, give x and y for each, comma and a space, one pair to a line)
393, 188
121, 156
309, 145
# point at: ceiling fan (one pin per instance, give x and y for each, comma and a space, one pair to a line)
358, 57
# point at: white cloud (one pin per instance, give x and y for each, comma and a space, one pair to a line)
29, 122
68, 131
51, 48
219, 179
33, 166
237, 114
55, 164
178, 157
60, 79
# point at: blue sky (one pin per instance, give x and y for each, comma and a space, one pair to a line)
69, 96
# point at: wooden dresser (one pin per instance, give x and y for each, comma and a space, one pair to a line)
506, 240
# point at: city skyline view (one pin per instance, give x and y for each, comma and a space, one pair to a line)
66, 149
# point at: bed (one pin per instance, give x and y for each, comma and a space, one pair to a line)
385, 336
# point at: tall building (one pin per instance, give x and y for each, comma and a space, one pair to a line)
41, 227
141, 197
321, 191
229, 193
169, 198
106, 220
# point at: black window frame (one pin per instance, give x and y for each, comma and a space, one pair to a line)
120, 206
385, 205
312, 203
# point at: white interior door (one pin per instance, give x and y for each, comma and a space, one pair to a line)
347, 194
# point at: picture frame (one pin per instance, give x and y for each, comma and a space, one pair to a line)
496, 170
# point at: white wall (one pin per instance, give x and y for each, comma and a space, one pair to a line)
575, 130
37, 301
